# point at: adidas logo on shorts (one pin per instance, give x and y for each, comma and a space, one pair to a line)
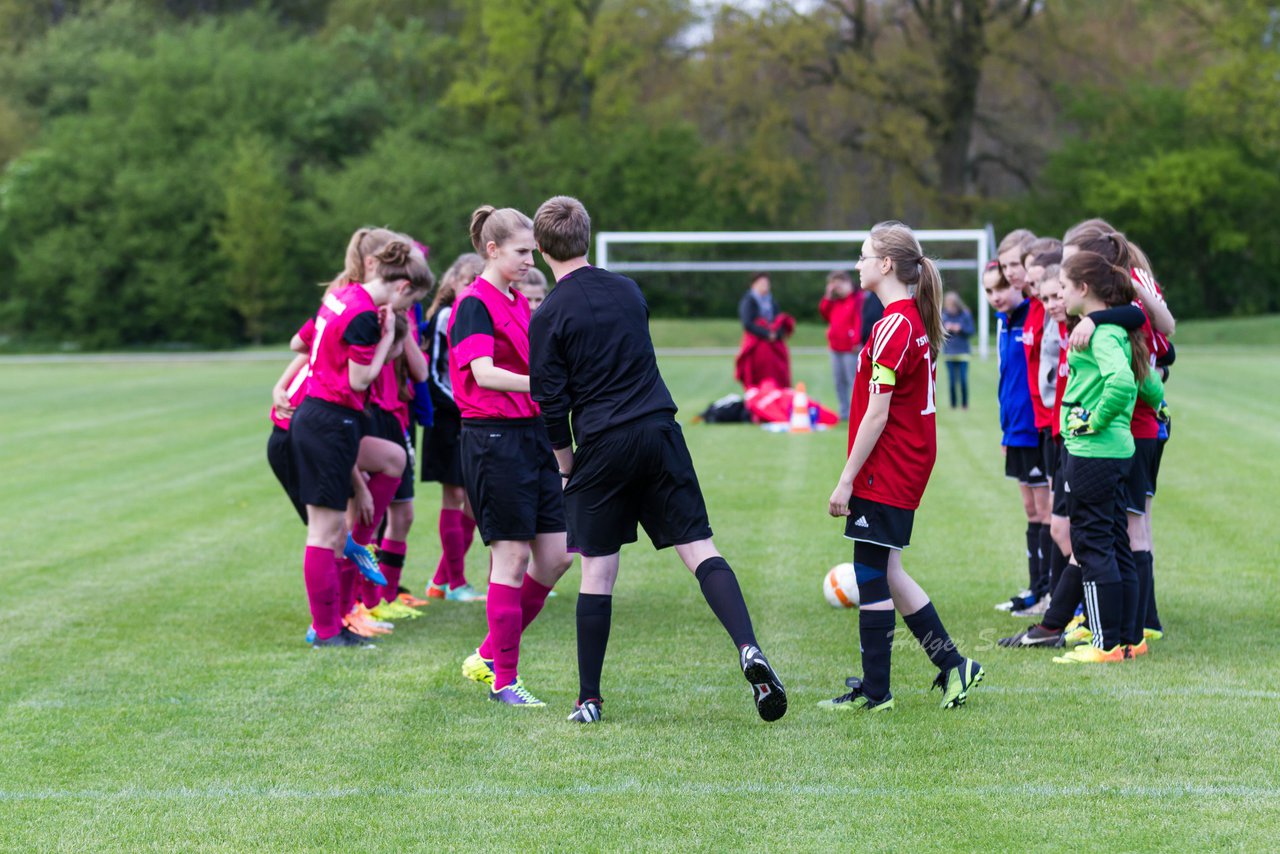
1035, 471
862, 522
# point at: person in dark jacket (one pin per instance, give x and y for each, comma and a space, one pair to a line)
958, 322
764, 354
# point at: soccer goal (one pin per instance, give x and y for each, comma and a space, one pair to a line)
971, 245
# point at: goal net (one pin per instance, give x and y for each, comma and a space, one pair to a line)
961, 255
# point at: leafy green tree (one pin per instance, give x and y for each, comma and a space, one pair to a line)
254, 234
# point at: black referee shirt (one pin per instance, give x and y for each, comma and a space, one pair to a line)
590, 354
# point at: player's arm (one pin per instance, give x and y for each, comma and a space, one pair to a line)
869, 430
1149, 295
361, 374
549, 383
415, 360
1127, 317
361, 497
280, 391
747, 314
1151, 390
1118, 385
490, 376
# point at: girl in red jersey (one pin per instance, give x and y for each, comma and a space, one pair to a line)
508, 468
441, 461
353, 335
892, 446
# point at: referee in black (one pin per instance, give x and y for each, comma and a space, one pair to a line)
590, 356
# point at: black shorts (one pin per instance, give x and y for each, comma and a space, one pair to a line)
324, 441
637, 473
281, 463
1059, 481
1155, 468
1048, 452
385, 426
1141, 481
512, 479
1025, 465
441, 459
884, 525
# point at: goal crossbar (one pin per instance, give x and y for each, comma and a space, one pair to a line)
606, 240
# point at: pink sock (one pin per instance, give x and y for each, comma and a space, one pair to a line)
533, 596
321, 578
503, 608
370, 593
391, 562
468, 533
452, 549
383, 488
347, 574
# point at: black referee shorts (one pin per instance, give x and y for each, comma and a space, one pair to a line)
638, 473
512, 478
324, 441
384, 425
1059, 480
281, 462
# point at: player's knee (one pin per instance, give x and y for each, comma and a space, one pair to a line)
871, 567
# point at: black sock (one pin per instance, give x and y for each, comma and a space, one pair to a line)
1067, 594
1153, 614
720, 589
927, 626
875, 630
594, 614
1104, 603
1045, 550
1033, 556
1057, 563
1142, 563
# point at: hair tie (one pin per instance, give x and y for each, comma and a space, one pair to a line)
920, 260
423, 248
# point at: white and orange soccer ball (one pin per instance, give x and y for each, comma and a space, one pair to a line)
841, 586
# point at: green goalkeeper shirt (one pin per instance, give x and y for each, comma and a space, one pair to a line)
1101, 381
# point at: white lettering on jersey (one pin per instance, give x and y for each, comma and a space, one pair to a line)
334, 304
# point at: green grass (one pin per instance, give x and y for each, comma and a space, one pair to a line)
1261, 331
157, 694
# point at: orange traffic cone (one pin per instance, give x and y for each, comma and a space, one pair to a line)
800, 411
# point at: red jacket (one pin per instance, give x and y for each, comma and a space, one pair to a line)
844, 321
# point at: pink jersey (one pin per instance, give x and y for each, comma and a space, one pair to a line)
347, 330
486, 322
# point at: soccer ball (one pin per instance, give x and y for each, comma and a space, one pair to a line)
841, 586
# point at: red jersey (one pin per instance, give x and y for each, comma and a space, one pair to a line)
1064, 372
899, 465
384, 392
297, 388
347, 330
486, 322
844, 322
1032, 334
1144, 425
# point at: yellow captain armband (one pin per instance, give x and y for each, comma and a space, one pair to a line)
880, 375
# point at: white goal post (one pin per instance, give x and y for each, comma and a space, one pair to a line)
979, 238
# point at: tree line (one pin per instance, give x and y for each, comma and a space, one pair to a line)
186, 171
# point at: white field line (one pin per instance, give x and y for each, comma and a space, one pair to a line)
1161, 791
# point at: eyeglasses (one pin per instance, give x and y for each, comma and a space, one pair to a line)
862, 258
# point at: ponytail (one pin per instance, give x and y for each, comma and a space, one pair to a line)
363, 243
928, 297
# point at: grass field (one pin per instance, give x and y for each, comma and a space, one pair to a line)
157, 694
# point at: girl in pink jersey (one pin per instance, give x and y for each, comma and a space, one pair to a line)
354, 330
509, 471
892, 447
